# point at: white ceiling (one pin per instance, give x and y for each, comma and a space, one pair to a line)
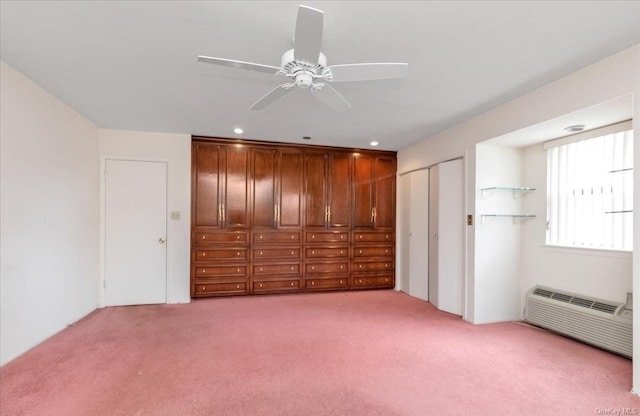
132, 65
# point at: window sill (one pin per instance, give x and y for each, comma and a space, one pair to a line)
583, 251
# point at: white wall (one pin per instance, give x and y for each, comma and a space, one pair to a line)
175, 149
598, 273
612, 77
48, 215
498, 240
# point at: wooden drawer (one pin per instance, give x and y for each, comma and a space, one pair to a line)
228, 288
335, 267
326, 237
223, 254
324, 252
276, 237
215, 271
378, 251
275, 286
276, 253
235, 237
373, 281
326, 284
267, 269
372, 237
372, 266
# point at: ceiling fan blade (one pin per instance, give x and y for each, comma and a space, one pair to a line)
368, 72
307, 40
239, 64
331, 97
271, 96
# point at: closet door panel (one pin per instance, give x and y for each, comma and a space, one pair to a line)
291, 181
340, 189
236, 213
264, 187
363, 191
314, 189
207, 185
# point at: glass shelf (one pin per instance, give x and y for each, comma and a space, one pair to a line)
621, 170
515, 217
626, 211
517, 190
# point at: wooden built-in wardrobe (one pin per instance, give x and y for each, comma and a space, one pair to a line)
275, 218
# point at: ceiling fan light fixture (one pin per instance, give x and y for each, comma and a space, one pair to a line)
575, 128
238, 130
374, 143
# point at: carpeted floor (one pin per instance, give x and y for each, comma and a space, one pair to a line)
364, 353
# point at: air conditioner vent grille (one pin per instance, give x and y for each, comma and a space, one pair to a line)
543, 293
561, 297
582, 302
604, 307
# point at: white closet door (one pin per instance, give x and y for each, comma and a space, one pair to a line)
419, 234
434, 273
135, 232
450, 237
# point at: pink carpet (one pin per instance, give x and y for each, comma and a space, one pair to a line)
365, 353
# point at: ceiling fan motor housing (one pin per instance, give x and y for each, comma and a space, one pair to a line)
302, 72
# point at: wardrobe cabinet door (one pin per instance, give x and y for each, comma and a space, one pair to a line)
235, 212
339, 189
315, 189
207, 184
363, 191
290, 189
385, 192
264, 165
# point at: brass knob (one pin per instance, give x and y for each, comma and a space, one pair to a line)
291, 252
341, 252
291, 267
313, 267
204, 270
342, 236
237, 237
237, 286
238, 270
261, 253
386, 236
360, 266
238, 253
360, 235
386, 251
291, 283
261, 236
340, 281
386, 265
313, 252
204, 237
359, 280
260, 284
204, 254
386, 280
260, 268
293, 236
204, 288
341, 267
313, 283
313, 236
360, 251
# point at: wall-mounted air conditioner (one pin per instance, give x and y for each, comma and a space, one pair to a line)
602, 323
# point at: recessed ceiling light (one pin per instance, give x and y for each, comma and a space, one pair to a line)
574, 128
374, 143
238, 130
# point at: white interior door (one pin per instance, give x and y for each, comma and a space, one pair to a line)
135, 232
434, 273
450, 236
419, 234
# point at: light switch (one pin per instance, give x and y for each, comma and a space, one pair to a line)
175, 215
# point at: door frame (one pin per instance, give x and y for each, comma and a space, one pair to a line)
102, 246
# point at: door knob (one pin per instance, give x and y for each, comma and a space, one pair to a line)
161, 240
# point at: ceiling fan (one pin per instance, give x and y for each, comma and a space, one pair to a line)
305, 66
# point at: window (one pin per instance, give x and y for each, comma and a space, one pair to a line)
590, 189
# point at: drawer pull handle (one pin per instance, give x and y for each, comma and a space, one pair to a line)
386, 280
386, 236
313, 267
341, 252
260, 284
360, 267
313, 283
204, 254
260, 268
386, 265
291, 252
291, 267
204, 288
293, 236
386, 251
360, 251
313, 236
238, 270
260, 236
359, 280
238, 253
237, 286
291, 283
237, 237
340, 281
341, 267
313, 252
360, 235
261, 253
341, 237
204, 237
